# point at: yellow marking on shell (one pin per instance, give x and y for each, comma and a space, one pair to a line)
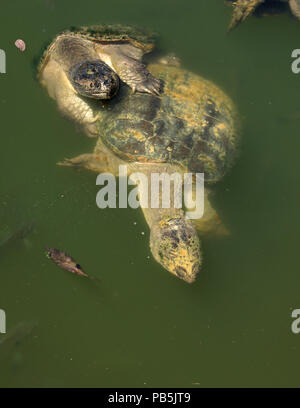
193, 94
151, 148
135, 134
220, 126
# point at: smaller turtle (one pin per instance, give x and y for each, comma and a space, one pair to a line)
244, 8
89, 61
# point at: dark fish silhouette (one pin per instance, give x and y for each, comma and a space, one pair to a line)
19, 332
15, 337
19, 234
64, 261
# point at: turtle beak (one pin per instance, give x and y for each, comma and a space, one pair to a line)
188, 273
100, 95
107, 94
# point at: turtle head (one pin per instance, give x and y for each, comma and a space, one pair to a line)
94, 79
175, 245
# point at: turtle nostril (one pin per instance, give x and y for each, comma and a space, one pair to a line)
180, 272
96, 84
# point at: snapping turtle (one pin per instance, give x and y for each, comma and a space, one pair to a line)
89, 61
188, 127
244, 8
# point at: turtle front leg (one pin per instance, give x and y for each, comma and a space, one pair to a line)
69, 102
98, 163
139, 78
295, 7
242, 9
126, 62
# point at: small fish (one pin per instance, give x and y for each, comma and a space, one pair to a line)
20, 44
64, 261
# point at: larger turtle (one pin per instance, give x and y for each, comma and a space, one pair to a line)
244, 8
188, 127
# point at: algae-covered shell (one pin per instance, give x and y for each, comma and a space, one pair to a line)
109, 33
192, 124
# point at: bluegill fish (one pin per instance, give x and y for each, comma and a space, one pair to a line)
65, 261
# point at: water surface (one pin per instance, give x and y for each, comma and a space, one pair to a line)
143, 327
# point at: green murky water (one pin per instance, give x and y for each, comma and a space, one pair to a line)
141, 326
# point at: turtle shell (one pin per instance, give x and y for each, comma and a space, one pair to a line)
192, 124
109, 33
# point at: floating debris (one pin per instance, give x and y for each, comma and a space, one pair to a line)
20, 44
64, 261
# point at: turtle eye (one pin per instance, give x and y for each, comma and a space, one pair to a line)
78, 266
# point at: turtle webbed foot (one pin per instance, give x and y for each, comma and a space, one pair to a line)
93, 162
149, 84
79, 161
136, 75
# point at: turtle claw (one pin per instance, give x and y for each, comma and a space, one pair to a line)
67, 163
94, 162
242, 10
135, 74
80, 161
152, 86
